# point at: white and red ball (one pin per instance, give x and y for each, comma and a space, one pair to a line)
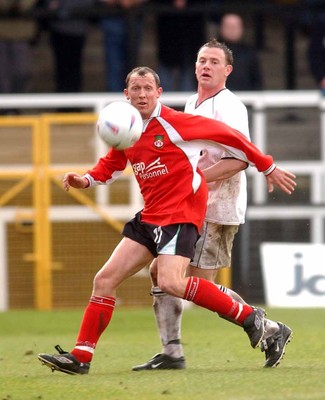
120, 125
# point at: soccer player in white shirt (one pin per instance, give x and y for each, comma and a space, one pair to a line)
226, 207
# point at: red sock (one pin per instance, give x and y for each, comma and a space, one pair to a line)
206, 294
95, 320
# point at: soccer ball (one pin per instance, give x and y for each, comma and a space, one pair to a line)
120, 125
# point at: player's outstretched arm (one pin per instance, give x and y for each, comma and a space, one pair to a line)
281, 178
72, 179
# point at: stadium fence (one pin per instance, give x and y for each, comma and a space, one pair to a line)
53, 242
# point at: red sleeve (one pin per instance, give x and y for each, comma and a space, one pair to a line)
108, 168
206, 129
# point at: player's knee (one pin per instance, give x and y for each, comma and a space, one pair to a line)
170, 287
98, 281
165, 287
102, 282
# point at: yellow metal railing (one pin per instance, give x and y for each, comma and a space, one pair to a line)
41, 228
40, 175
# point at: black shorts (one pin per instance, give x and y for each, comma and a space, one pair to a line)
175, 239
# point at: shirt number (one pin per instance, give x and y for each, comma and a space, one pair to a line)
158, 233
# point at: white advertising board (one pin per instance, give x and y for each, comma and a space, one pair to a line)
293, 274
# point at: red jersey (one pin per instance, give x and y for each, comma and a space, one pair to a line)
164, 162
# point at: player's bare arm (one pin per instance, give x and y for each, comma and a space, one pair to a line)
72, 179
224, 169
281, 178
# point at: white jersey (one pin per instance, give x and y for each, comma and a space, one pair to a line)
227, 200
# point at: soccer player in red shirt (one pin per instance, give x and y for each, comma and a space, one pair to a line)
164, 162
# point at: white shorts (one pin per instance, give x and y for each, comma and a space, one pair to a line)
213, 249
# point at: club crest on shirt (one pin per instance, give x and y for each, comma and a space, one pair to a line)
159, 141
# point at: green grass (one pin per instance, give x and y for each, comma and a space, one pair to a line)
220, 363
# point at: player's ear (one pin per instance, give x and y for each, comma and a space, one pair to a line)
228, 70
159, 90
126, 93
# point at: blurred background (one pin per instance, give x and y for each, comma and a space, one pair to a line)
61, 63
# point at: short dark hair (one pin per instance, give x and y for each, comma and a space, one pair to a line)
142, 71
219, 45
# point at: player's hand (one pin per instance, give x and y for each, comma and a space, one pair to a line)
281, 178
72, 179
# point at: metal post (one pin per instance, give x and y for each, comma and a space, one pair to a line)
42, 233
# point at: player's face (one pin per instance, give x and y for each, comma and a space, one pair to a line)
143, 93
211, 68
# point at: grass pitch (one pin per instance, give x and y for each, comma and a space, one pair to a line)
220, 362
